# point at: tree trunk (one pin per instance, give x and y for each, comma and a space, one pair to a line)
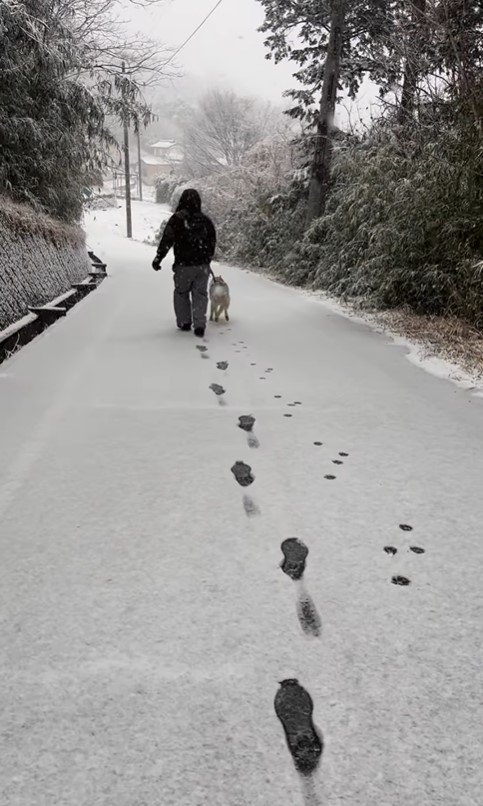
413, 61
320, 180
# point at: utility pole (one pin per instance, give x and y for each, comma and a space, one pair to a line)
127, 169
140, 169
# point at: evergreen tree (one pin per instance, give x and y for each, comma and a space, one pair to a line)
62, 76
335, 43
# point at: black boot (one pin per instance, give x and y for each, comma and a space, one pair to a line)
200, 332
185, 327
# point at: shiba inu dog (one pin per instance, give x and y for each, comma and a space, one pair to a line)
219, 299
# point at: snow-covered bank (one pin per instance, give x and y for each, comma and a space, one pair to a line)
428, 354
424, 353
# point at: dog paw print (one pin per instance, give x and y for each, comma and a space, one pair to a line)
400, 580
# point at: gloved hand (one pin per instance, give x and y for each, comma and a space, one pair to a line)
156, 264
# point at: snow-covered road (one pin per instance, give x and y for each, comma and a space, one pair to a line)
145, 619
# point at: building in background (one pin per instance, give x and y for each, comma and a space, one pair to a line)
163, 158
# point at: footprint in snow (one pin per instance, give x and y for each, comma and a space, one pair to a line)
222, 365
217, 389
201, 348
295, 554
417, 550
319, 444
251, 509
329, 477
390, 550
405, 527
294, 708
337, 462
246, 422
307, 614
243, 474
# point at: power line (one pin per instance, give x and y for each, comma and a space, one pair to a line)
210, 13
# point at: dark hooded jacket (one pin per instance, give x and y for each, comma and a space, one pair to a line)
190, 232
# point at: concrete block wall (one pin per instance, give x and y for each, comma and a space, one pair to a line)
40, 258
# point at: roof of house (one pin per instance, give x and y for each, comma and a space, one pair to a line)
149, 160
164, 144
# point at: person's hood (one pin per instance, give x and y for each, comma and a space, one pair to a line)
190, 202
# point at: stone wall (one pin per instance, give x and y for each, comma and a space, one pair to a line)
40, 258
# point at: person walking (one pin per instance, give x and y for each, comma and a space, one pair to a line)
193, 237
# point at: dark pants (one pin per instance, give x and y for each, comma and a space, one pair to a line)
191, 295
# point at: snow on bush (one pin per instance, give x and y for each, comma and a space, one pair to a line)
403, 224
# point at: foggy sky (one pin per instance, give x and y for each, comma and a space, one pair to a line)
228, 51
